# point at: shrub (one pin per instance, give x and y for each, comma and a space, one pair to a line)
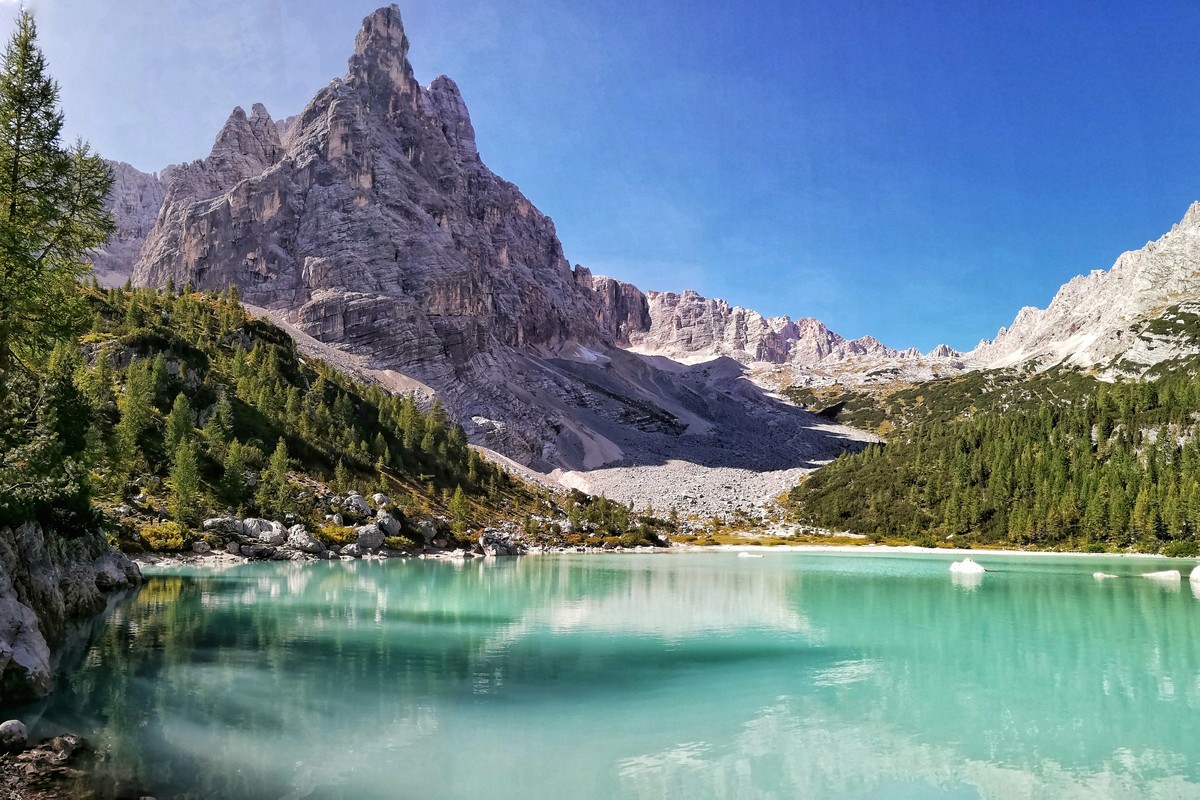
1181, 549
336, 535
167, 536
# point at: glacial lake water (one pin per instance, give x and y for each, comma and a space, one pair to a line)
794, 675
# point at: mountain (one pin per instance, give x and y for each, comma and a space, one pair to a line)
1133, 316
134, 202
370, 223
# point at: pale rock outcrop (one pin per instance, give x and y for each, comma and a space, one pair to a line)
1101, 319
134, 202
47, 582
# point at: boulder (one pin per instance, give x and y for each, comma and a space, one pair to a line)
494, 542
967, 567
115, 570
357, 505
233, 548
1169, 575
370, 537
352, 550
388, 523
13, 736
253, 526
226, 525
304, 541
427, 528
257, 551
273, 537
201, 547
381, 500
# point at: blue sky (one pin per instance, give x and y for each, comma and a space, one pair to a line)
913, 170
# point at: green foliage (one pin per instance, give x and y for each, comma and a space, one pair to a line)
185, 482
51, 207
274, 493
1054, 460
180, 423
460, 511
164, 536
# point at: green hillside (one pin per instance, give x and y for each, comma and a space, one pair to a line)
1056, 460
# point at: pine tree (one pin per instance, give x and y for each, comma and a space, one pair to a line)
180, 423
218, 428
185, 483
51, 206
460, 511
233, 483
274, 492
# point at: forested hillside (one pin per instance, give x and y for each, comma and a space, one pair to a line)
1056, 460
178, 406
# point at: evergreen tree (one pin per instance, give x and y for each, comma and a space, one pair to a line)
233, 482
274, 491
185, 483
218, 428
180, 423
460, 511
51, 206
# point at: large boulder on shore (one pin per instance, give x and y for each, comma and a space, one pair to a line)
357, 506
388, 523
305, 542
370, 537
115, 570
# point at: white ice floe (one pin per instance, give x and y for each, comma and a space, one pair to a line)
1100, 576
1165, 575
968, 567
749, 555
1196, 575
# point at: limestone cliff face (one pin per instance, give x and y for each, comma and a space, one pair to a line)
375, 224
1103, 318
689, 326
134, 202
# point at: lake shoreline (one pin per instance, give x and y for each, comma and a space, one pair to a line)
218, 560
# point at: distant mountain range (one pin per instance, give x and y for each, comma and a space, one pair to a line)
369, 222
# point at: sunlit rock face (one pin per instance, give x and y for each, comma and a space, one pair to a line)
372, 224
134, 202
1128, 316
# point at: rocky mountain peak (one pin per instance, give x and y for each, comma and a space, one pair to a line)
444, 102
380, 61
248, 144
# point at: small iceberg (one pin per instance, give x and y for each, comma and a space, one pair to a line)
1103, 576
1196, 575
749, 555
967, 567
1165, 575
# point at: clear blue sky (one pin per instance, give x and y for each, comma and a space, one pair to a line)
913, 170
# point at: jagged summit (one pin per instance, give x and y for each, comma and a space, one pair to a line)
380, 63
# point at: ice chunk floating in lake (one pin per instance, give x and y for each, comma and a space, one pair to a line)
1165, 575
967, 567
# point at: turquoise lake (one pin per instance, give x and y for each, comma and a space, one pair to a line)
794, 675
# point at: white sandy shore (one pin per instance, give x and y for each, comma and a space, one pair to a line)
883, 549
